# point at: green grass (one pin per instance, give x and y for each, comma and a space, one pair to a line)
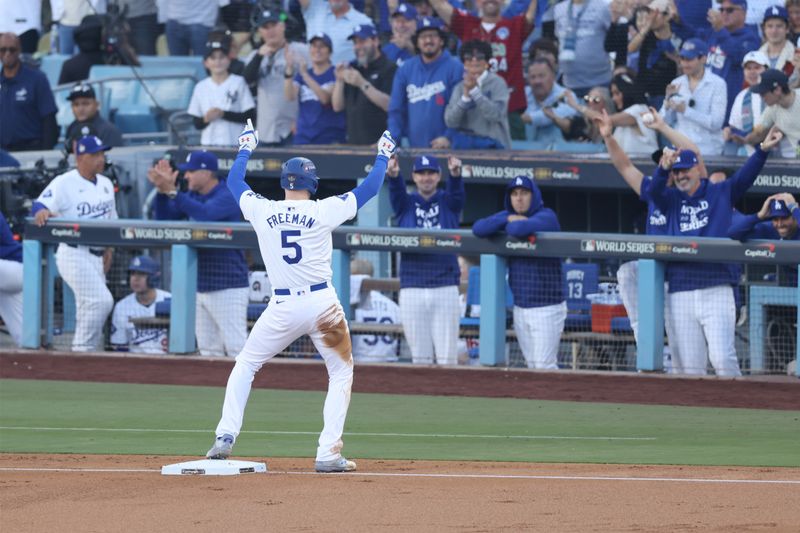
390, 426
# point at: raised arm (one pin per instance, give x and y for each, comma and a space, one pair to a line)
632, 175
530, 13
443, 9
678, 139
248, 140
374, 180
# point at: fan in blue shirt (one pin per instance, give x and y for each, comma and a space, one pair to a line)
429, 301
317, 122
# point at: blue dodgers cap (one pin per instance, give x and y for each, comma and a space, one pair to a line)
199, 160
426, 162
429, 23
520, 181
322, 37
778, 209
407, 11
776, 12
90, 144
686, 159
270, 15
363, 31
693, 48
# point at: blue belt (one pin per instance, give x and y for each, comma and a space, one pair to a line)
313, 288
98, 253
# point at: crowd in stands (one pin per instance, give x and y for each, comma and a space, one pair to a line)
483, 74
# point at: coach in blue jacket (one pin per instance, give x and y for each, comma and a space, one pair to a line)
422, 88
429, 304
539, 305
222, 282
700, 297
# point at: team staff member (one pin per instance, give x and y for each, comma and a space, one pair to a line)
144, 274
27, 108
83, 193
362, 89
701, 301
10, 281
88, 121
540, 309
506, 36
222, 283
777, 219
294, 236
429, 305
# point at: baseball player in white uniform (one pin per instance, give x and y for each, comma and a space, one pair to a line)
294, 236
144, 273
10, 281
83, 194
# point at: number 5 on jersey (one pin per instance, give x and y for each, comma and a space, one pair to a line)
286, 243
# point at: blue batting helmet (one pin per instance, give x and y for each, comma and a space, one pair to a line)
299, 173
146, 265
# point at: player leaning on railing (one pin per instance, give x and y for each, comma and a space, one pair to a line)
294, 236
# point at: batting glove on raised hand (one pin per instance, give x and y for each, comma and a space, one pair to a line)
248, 139
386, 145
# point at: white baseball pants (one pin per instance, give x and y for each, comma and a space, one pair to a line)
705, 326
628, 285
221, 321
286, 318
538, 332
83, 273
430, 322
11, 297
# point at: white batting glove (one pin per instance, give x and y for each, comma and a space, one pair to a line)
248, 139
386, 145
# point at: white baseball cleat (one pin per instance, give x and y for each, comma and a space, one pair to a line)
335, 465
222, 448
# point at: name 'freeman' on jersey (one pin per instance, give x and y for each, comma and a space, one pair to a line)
294, 219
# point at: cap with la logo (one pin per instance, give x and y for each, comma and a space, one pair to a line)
426, 162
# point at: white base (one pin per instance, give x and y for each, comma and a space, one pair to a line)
213, 467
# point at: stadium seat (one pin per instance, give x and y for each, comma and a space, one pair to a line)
51, 66
580, 279
530, 145
136, 119
171, 94
579, 147
181, 62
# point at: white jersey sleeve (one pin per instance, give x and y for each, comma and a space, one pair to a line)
195, 108
336, 210
251, 203
52, 197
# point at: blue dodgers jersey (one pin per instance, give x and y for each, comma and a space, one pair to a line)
726, 51
318, 123
420, 93
217, 269
413, 211
25, 100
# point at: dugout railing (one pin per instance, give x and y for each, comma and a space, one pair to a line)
185, 238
